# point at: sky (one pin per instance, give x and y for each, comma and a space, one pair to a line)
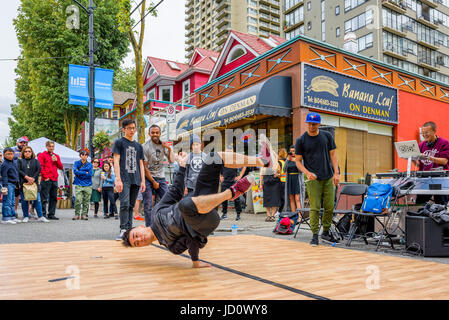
164, 38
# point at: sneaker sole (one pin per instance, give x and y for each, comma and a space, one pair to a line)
273, 156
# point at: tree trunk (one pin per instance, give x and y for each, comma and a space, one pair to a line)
72, 126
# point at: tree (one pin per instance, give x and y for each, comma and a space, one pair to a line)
47, 49
136, 39
125, 80
101, 141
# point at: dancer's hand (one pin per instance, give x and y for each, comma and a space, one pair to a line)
118, 186
200, 264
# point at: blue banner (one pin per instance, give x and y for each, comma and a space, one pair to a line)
103, 88
338, 93
78, 85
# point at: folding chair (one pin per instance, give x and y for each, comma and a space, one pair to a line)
383, 233
347, 189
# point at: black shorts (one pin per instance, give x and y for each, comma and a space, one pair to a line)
204, 224
208, 180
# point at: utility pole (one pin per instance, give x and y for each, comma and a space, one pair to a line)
90, 13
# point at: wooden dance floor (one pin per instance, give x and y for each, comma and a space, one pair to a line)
245, 267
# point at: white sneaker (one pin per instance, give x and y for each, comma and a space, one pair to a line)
25, 220
43, 219
9, 222
120, 237
17, 220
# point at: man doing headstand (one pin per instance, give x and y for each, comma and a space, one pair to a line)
184, 224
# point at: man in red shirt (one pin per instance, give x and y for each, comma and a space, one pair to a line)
50, 163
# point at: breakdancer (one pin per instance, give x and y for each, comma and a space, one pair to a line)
184, 224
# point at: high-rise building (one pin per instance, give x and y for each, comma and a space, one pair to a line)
411, 34
208, 21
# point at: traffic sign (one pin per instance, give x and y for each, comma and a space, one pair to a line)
171, 114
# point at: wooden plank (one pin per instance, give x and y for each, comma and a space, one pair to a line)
107, 270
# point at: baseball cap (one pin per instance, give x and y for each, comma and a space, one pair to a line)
313, 117
23, 139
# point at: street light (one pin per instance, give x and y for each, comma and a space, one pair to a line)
90, 13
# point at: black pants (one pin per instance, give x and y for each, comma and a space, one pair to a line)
237, 204
207, 183
108, 196
128, 198
439, 199
49, 194
281, 207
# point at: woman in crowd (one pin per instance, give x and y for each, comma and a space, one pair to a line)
293, 188
29, 170
271, 185
108, 178
97, 184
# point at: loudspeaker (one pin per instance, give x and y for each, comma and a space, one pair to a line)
424, 235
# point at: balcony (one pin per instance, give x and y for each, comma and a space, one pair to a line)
389, 28
396, 5
430, 3
426, 21
428, 64
264, 8
428, 43
223, 14
189, 25
188, 10
189, 41
189, 17
189, 33
222, 22
397, 53
223, 30
221, 6
220, 41
289, 28
275, 4
264, 17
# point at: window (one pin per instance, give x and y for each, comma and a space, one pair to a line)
151, 94
252, 20
290, 3
309, 25
323, 31
114, 114
337, 31
235, 53
351, 4
186, 90
359, 21
252, 29
337, 10
150, 72
173, 65
365, 42
166, 93
323, 10
309, 6
294, 17
252, 11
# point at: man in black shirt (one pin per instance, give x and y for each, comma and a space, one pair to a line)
318, 150
228, 177
129, 173
184, 224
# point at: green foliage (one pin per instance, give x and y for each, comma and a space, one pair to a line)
42, 84
125, 80
101, 141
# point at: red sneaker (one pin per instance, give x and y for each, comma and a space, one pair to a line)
241, 186
267, 153
139, 218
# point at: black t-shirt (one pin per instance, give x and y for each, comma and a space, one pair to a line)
229, 175
130, 153
315, 153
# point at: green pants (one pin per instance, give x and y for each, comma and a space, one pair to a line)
82, 195
321, 190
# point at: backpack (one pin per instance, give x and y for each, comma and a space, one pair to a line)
286, 223
377, 198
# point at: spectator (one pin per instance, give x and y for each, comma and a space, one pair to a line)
228, 178
29, 171
154, 151
194, 164
83, 171
97, 184
108, 178
293, 188
129, 173
116, 195
50, 163
282, 155
10, 178
271, 185
318, 151
20, 143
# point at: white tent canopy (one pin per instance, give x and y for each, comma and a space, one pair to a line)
67, 155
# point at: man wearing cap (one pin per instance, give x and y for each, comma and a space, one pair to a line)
154, 151
318, 151
194, 164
